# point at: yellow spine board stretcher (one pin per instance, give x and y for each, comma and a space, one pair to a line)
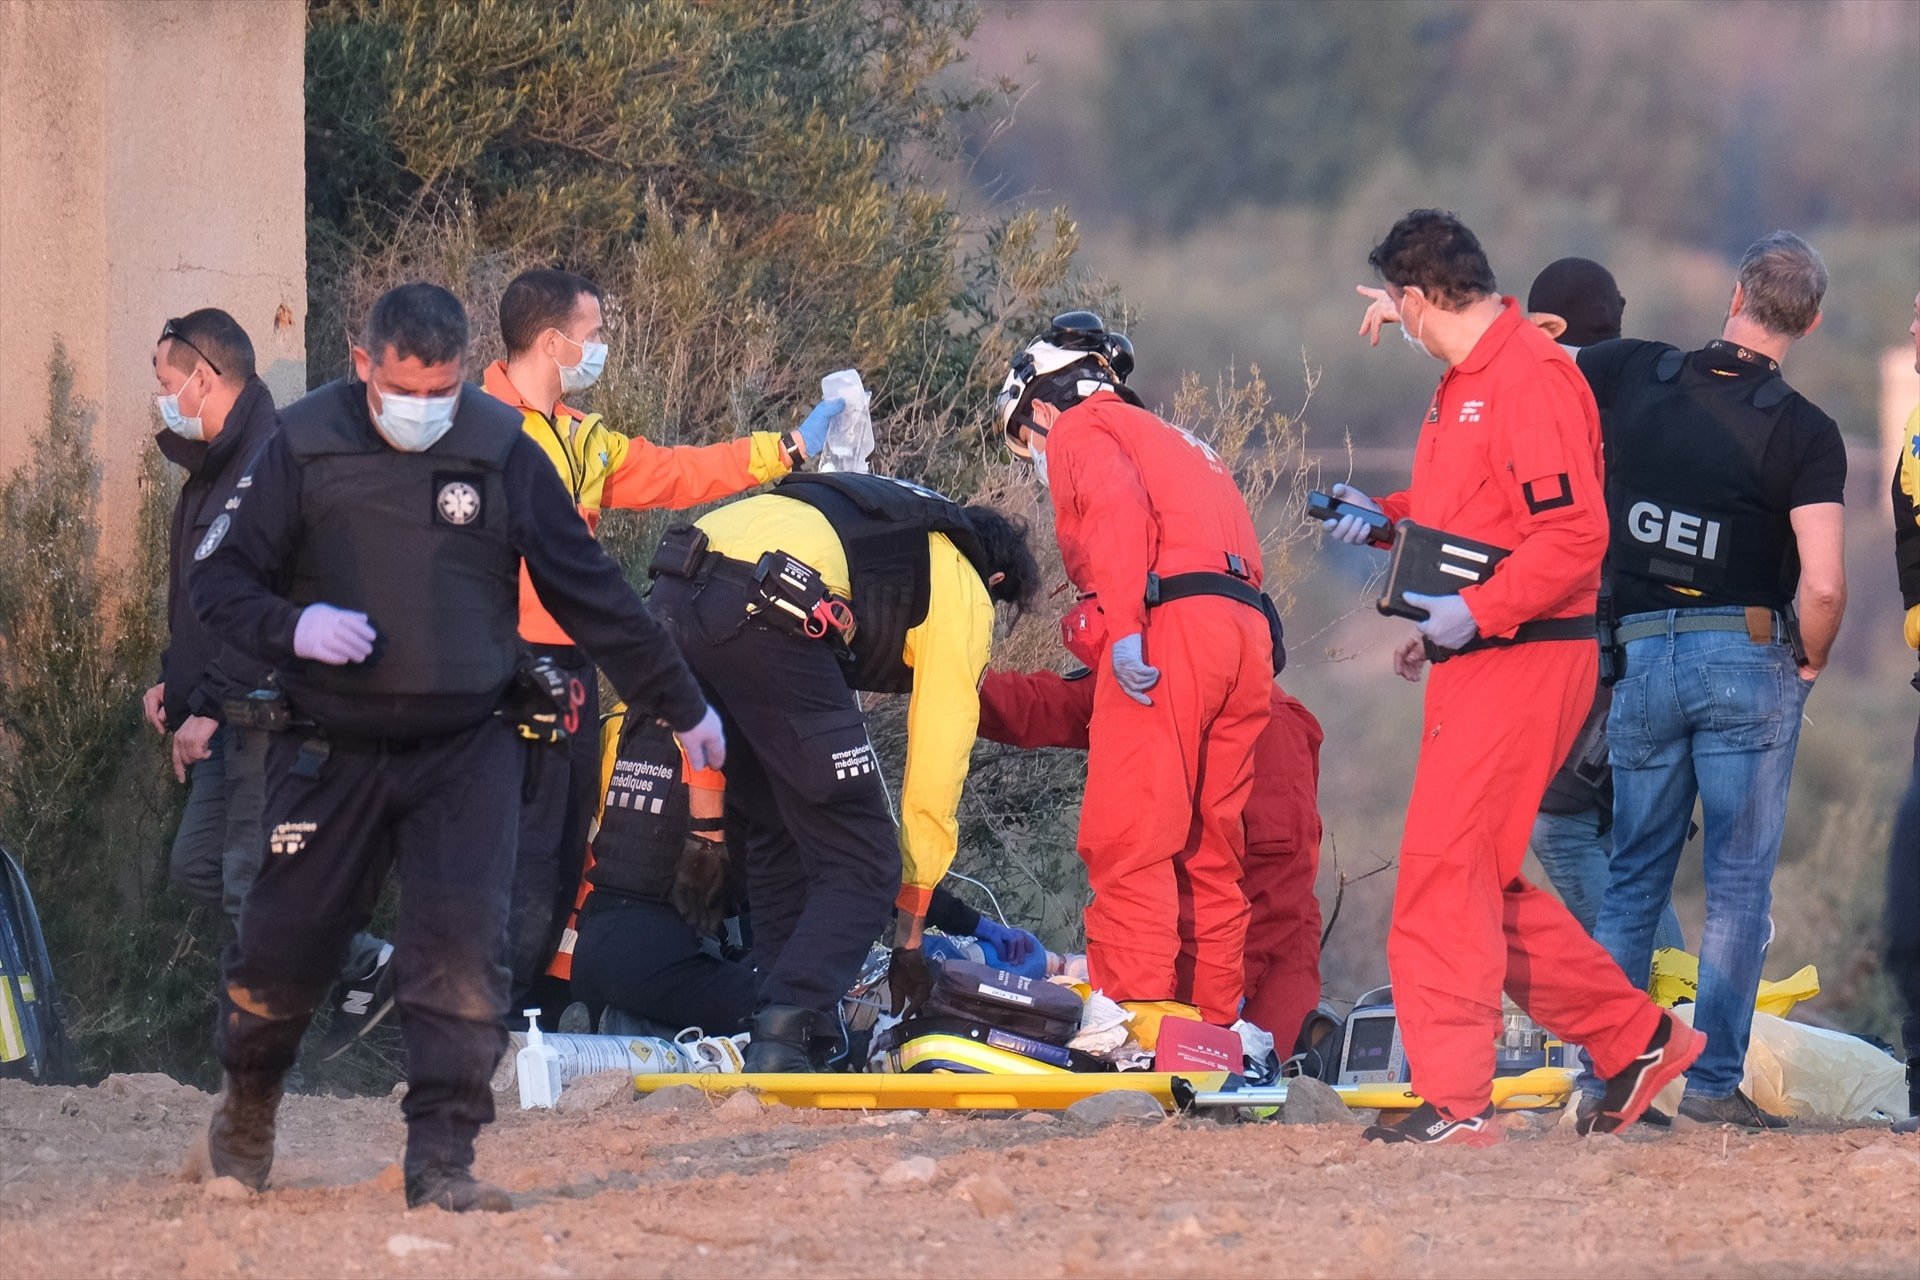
1053, 1090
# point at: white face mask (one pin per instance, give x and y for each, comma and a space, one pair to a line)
1040, 467
176, 421
414, 424
578, 377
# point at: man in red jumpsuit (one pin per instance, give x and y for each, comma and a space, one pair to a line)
1509, 455
1180, 690
1282, 955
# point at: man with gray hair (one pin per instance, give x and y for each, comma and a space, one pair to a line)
1724, 489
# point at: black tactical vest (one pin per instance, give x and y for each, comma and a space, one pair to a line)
882, 524
646, 819
419, 543
1694, 524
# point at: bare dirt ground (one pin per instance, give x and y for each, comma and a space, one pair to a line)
90, 1186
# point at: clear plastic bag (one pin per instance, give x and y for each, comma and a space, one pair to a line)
850, 436
1803, 1071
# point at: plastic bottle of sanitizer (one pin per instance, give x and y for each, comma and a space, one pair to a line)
538, 1068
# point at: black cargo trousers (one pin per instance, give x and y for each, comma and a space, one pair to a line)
442, 811
806, 807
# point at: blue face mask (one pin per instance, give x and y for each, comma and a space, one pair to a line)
578, 377
414, 424
175, 419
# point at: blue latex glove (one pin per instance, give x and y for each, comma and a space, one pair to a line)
813, 430
1350, 529
705, 743
1014, 945
1131, 670
333, 636
1449, 622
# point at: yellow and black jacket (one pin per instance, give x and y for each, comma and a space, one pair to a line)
948, 652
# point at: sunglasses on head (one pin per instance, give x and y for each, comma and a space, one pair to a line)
171, 331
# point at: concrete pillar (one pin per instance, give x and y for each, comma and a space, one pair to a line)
152, 160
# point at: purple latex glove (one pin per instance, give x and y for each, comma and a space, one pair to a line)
705, 743
333, 636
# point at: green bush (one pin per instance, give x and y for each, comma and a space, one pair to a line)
749, 176
89, 798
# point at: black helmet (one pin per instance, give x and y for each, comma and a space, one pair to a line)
1072, 339
1086, 331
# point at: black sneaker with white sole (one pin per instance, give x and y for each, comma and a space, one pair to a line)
1427, 1127
360, 1005
1587, 1113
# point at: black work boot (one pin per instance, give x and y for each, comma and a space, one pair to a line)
454, 1188
240, 1138
782, 1040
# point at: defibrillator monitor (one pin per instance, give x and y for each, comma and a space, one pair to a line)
1433, 562
1372, 1053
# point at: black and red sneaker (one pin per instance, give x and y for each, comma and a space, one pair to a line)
1426, 1126
1675, 1046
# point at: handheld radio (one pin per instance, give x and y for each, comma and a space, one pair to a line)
1321, 506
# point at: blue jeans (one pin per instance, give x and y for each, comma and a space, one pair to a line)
1705, 715
1576, 851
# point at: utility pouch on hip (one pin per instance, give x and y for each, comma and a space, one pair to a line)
680, 554
261, 709
542, 702
1790, 617
790, 594
1613, 654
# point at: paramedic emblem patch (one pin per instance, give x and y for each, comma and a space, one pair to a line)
457, 502
215, 531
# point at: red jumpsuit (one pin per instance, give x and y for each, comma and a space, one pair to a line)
1509, 454
1043, 709
1160, 825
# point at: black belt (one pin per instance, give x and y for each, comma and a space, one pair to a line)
395, 746
1583, 627
1179, 586
711, 566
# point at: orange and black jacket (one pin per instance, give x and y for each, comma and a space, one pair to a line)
605, 470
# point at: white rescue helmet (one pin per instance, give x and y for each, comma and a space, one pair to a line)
1074, 341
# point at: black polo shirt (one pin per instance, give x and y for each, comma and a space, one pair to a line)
1708, 453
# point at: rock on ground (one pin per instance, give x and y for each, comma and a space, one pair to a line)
1885, 1158
595, 1092
913, 1171
1311, 1101
675, 1098
405, 1246
741, 1105
989, 1196
1115, 1106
